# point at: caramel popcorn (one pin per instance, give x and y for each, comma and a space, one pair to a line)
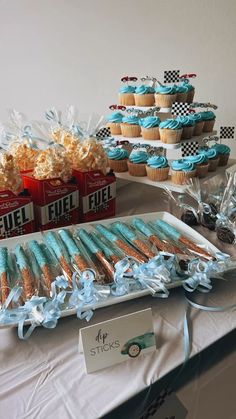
24, 155
53, 163
10, 178
90, 156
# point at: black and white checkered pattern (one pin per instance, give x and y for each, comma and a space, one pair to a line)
171, 76
227, 132
156, 404
6, 234
19, 231
103, 133
190, 148
180, 108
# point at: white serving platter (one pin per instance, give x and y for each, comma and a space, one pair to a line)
169, 218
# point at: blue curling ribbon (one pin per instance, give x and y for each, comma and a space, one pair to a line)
11, 316
86, 292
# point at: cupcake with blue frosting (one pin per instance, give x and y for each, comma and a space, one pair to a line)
223, 152
188, 126
209, 120
199, 123
170, 131
165, 96
117, 159
126, 95
130, 126
137, 163
181, 171
213, 157
144, 95
157, 168
114, 121
182, 93
190, 90
150, 127
201, 162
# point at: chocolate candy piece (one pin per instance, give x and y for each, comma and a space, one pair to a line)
208, 221
189, 218
183, 264
225, 235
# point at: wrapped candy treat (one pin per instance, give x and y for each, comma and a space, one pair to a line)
4, 275
225, 229
52, 163
24, 155
10, 178
189, 213
90, 156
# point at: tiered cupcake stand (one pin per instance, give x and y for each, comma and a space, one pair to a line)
165, 113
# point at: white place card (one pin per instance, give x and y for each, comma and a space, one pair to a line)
116, 340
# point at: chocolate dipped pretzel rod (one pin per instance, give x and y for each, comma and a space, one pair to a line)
73, 250
173, 233
134, 239
27, 276
54, 244
88, 241
155, 238
109, 253
4, 283
41, 258
113, 238
166, 240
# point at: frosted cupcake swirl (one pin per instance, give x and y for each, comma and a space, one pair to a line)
181, 89
166, 90
188, 86
207, 115
138, 157
127, 89
221, 148
171, 124
186, 121
197, 159
133, 120
196, 117
143, 90
150, 122
115, 117
183, 165
210, 153
117, 154
157, 162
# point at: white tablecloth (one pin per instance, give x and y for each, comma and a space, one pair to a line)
45, 376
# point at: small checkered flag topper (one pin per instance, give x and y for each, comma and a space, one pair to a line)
103, 133
227, 132
171, 76
189, 149
180, 108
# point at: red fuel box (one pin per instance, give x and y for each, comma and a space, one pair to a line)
55, 202
16, 214
97, 195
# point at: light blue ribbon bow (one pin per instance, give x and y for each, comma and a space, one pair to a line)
86, 292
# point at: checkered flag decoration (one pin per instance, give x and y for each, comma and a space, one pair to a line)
180, 108
227, 132
171, 76
190, 148
103, 133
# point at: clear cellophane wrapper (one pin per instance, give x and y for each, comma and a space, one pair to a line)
188, 210
225, 224
53, 163
206, 211
27, 273
9, 275
44, 265
63, 129
10, 178
20, 141
79, 257
133, 237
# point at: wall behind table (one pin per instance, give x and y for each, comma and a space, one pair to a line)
58, 52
